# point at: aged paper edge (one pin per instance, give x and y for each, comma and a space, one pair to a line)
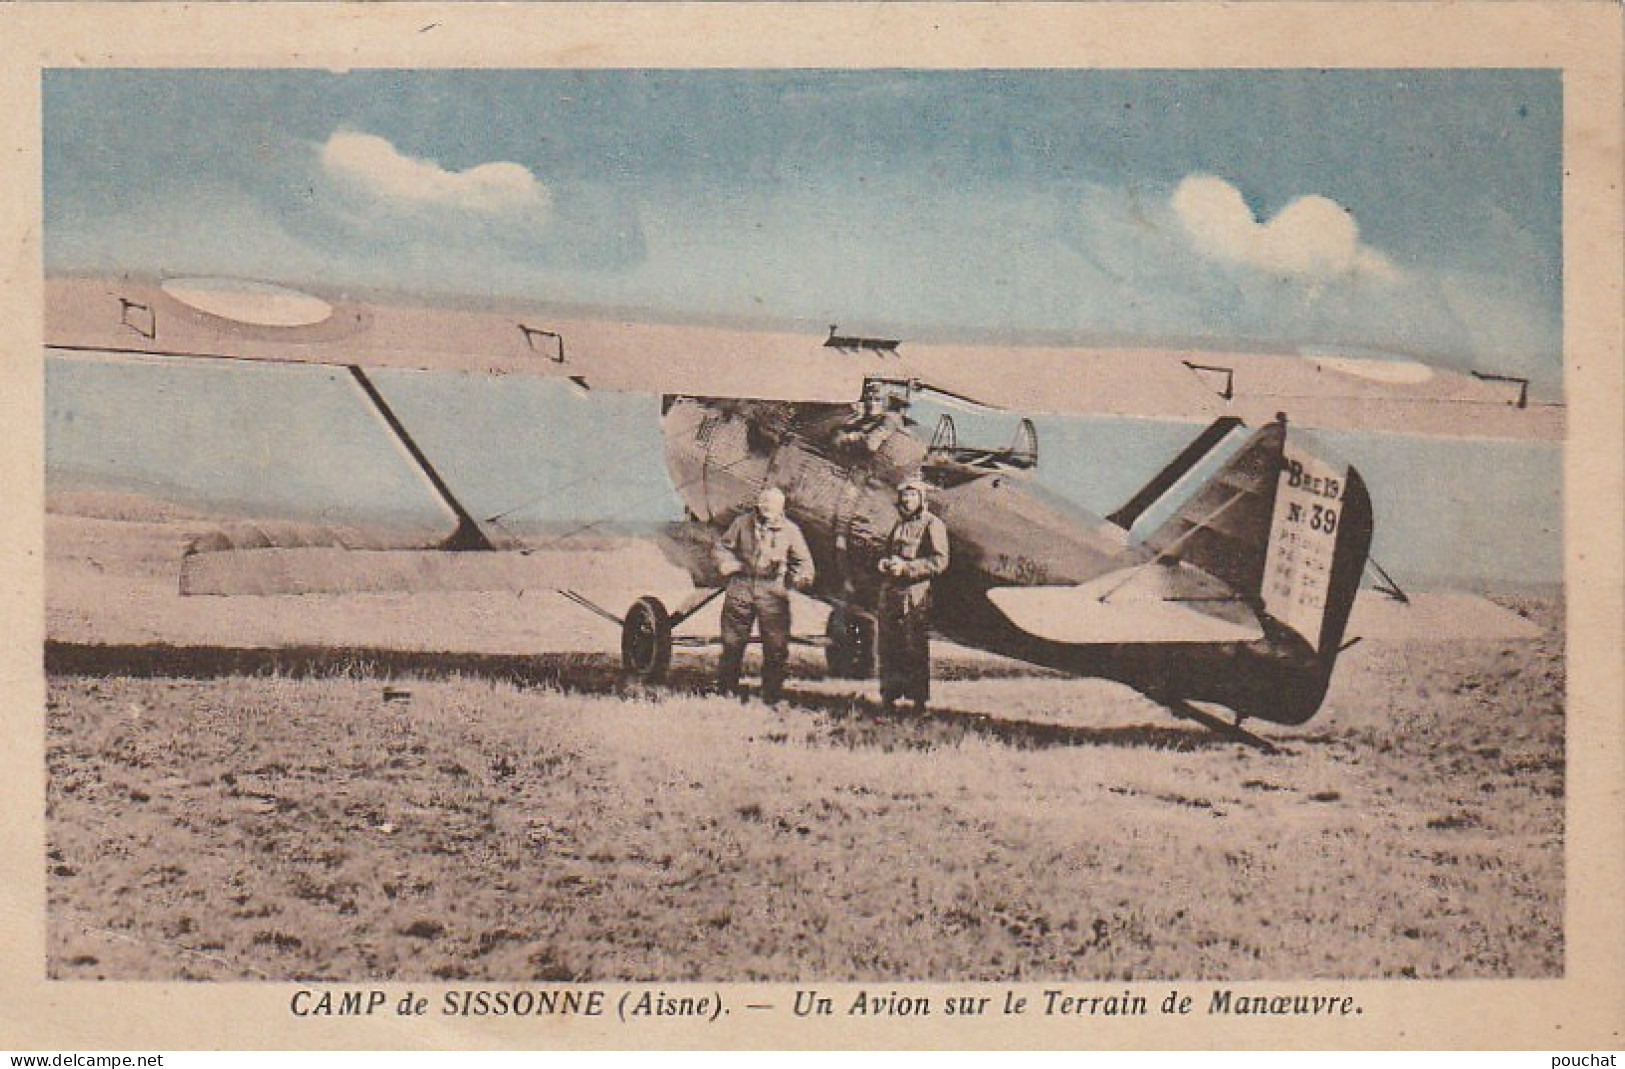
1584, 1009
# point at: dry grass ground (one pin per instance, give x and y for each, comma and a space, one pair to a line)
235, 809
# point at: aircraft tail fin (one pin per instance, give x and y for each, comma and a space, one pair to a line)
1224, 527
1280, 525
1289, 532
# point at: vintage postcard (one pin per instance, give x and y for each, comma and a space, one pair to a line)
978, 526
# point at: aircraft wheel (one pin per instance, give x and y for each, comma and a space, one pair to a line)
646, 641
851, 650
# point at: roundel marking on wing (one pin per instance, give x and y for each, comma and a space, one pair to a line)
1390, 372
260, 304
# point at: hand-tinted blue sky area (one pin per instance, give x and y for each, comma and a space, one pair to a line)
1413, 213
1410, 212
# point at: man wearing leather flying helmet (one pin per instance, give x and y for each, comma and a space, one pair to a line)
916, 552
763, 556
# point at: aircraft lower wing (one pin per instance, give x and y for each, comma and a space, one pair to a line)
277, 560
1152, 603
603, 575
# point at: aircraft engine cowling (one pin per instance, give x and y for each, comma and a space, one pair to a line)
713, 464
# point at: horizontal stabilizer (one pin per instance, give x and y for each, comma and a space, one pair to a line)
1152, 603
1436, 617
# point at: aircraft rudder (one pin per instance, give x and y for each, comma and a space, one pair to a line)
1348, 565
1319, 539
1319, 536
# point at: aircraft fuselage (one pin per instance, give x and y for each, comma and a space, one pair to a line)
1005, 530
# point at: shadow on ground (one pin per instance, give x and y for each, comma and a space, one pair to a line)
857, 721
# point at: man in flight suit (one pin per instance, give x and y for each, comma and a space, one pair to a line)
916, 552
874, 419
764, 556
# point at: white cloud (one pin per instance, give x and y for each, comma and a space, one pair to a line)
367, 196
1100, 263
1312, 238
369, 165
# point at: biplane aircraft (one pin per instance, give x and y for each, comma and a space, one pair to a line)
1240, 594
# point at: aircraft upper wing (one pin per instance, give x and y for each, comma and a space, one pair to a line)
244, 320
229, 319
1325, 392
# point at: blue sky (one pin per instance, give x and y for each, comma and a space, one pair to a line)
1413, 213
1409, 212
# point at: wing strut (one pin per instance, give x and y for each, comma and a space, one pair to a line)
468, 535
1176, 470
692, 606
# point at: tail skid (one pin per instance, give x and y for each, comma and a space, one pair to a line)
1235, 732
